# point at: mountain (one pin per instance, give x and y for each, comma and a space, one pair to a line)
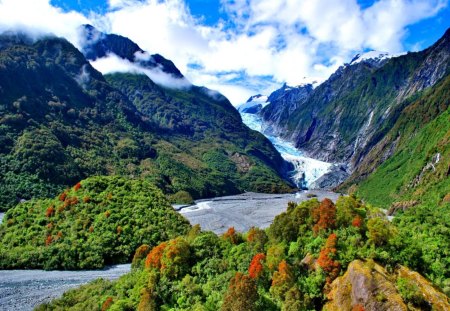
254, 104
96, 45
61, 121
345, 117
283, 102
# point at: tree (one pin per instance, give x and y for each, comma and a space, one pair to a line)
324, 216
378, 231
282, 280
140, 254
326, 258
175, 258
241, 295
231, 235
256, 266
257, 238
153, 259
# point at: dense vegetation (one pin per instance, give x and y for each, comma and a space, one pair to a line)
423, 130
290, 266
99, 221
61, 121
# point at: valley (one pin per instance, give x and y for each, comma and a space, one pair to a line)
329, 195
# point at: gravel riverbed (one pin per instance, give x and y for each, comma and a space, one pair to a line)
245, 210
25, 289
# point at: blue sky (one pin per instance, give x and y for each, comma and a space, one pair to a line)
244, 47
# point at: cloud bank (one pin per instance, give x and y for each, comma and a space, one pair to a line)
261, 45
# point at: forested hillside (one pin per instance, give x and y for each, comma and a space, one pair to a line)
61, 121
299, 263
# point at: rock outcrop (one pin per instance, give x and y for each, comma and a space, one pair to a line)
370, 286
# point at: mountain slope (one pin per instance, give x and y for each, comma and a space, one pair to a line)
354, 109
61, 121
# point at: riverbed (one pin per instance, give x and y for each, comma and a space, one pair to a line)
25, 289
245, 210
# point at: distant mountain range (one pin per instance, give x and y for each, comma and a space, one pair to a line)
367, 112
62, 121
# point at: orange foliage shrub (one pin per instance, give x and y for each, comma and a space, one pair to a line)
326, 258
91, 229
107, 214
357, 222
50, 211
63, 196
358, 307
77, 187
153, 259
256, 266
86, 199
107, 303
324, 216
48, 240
50, 225
119, 230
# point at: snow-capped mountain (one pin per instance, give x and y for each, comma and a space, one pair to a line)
254, 104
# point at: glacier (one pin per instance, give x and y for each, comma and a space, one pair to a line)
306, 170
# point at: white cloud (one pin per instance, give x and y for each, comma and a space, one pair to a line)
39, 17
264, 44
114, 64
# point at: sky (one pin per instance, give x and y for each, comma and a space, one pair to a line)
244, 47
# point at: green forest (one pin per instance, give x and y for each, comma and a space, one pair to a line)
290, 266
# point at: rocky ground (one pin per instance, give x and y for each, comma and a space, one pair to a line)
245, 210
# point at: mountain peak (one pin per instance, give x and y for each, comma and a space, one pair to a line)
96, 44
371, 55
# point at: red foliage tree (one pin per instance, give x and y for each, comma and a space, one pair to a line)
256, 266
231, 235
153, 259
324, 216
241, 295
77, 187
50, 211
326, 258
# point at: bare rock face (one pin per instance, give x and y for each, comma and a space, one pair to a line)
367, 284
